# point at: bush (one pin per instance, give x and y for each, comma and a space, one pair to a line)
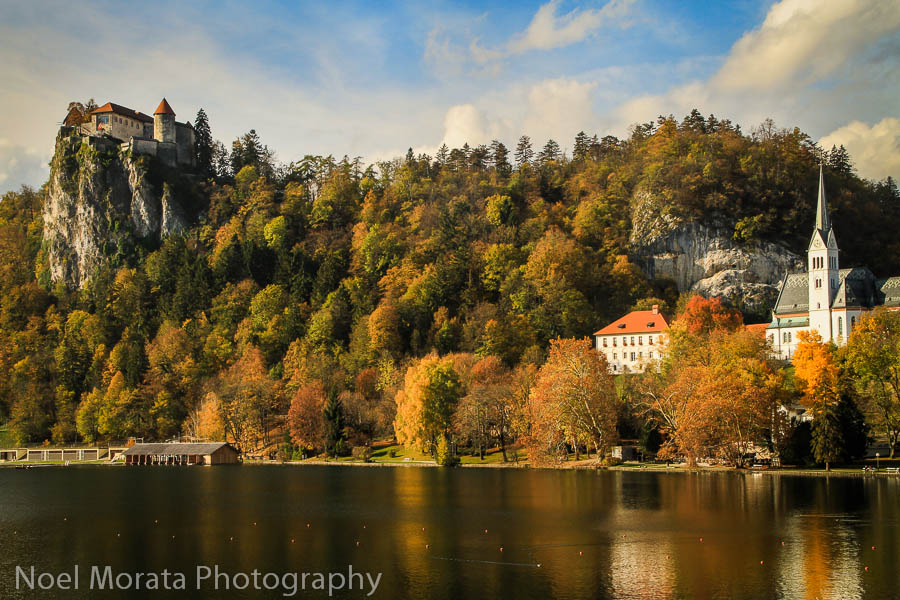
611, 461
392, 453
363, 453
444, 454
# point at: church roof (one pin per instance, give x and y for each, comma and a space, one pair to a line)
888, 291
118, 109
857, 288
164, 109
794, 294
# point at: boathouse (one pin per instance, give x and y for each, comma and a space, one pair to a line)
177, 453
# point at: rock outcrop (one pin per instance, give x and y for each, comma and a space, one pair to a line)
100, 202
706, 259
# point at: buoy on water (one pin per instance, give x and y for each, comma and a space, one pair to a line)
580, 553
701, 540
501, 548
760, 562
867, 569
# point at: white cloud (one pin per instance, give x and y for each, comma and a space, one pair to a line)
809, 64
804, 41
875, 150
560, 108
548, 30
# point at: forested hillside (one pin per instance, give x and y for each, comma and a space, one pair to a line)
324, 278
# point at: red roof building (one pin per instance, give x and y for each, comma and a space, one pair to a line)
633, 341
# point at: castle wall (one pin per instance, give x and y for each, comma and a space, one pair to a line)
184, 140
117, 126
164, 127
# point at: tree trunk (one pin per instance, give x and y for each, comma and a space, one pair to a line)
827, 466
503, 445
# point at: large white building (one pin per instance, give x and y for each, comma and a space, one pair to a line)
633, 341
826, 298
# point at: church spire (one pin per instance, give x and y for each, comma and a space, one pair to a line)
822, 222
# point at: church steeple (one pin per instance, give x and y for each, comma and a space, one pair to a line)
823, 268
823, 223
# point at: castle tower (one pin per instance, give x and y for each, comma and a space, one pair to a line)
164, 123
823, 267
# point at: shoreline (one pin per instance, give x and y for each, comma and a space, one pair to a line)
579, 466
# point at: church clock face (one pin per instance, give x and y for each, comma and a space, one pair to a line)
817, 243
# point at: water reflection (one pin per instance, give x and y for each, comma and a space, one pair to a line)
468, 533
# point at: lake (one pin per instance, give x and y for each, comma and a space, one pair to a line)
438, 533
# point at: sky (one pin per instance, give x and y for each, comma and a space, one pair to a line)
371, 79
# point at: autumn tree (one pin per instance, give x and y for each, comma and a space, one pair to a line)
575, 396
426, 403
306, 417
484, 414
873, 352
815, 365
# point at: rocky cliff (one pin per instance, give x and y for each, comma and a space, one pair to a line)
101, 201
705, 258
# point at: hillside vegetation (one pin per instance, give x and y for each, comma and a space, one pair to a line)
322, 280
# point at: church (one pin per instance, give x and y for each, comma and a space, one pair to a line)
826, 298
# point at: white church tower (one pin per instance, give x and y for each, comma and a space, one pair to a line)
823, 267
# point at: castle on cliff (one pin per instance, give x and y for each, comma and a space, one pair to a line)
826, 298
161, 135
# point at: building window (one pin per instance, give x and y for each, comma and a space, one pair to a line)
840, 326
615, 356
852, 324
632, 340
632, 356
650, 339
650, 355
624, 341
604, 342
640, 340
614, 342
640, 355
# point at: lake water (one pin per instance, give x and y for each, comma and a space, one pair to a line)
437, 533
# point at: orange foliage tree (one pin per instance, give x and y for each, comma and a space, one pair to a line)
306, 420
574, 401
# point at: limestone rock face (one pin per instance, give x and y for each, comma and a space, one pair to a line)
100, 202
707, 259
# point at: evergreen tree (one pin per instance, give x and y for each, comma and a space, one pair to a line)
443, 154
203, 145
854, 429
827, 436
500, 158
478, 157
549, 153
582, 146
838, 160
524, 153
335, 436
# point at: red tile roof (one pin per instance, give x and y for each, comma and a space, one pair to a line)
637, 321
118, 109
164, 109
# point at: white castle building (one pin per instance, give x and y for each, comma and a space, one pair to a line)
826, 298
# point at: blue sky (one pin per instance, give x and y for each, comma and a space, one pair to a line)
371, 79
